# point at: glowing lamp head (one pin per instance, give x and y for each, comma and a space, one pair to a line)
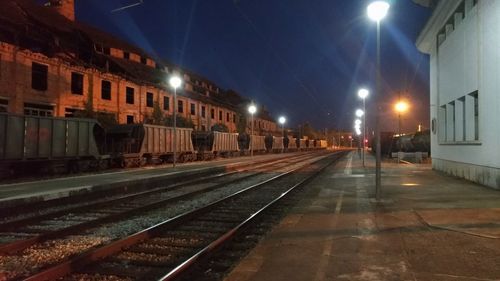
363, 93
401, 106
360, 113
252, 109
377, 10
282, 120
175, 81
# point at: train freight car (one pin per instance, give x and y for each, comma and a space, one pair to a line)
292, 144
302, 144
257, 143
212, 144
49, 144
277, 144
138, 144
323, 144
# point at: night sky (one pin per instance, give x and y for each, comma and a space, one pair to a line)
301, 58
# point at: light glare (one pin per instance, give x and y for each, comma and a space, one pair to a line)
363, 93
282, 120
175, 81
252, 109
360, 113
377, 10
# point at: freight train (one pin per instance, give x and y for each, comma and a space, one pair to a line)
54, 145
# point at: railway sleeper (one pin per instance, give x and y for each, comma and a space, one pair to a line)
119, 269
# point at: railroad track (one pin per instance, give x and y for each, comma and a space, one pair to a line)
50, 231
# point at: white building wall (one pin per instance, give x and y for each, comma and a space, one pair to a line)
468, 60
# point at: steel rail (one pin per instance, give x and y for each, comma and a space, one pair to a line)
114, 247
20, 245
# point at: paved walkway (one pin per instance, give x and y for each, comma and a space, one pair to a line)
429, 227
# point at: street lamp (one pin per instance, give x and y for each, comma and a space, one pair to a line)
363, 94
175, 82
376, 11
252, 109
282, 121
400, 107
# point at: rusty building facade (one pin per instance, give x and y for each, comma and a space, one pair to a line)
52, 65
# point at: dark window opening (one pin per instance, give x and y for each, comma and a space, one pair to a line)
144, 60
227, 117
4, 104
106, 90
39, 73
166, 103
180, 106
126, 55
234, 118
129, 95
69, 112
76, 83
193, 109
220, 115
212, 113
149, 99
130, 119
106, 50
34, 109
203, 111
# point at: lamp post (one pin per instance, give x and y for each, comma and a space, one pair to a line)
252, 109
400, 107
363, 93
175, 82
377, 11
282, 121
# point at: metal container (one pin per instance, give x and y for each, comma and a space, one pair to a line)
292, 144
302, 144
225, 142
278, 144
323, 144
257, 143
144, 142
51, 138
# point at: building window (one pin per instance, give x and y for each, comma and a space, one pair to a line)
129, 98
227, 117
193, 109
442, 123
203, 128
212, 113
203, 111
126, 55
476, 115
144, 60
4, 105
105, 90
149, 99
180, 106
130, 119
234, 118
69, 112
76, 83
220, 115
166, 103
33, 109
39, 73
451, 122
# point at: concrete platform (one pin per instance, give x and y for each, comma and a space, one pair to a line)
43, 190
428, 227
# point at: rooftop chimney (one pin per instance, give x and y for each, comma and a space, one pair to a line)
63, 7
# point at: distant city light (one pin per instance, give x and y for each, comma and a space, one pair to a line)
401, 106
360, 113
282, 120
363, 93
